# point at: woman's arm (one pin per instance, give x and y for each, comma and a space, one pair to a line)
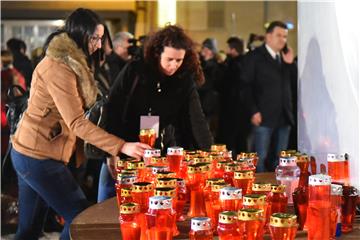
62, 86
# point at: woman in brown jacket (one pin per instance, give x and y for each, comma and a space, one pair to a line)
62, 87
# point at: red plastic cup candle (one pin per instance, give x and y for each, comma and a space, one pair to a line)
175, 156
150, 153
244, 180
227, 228
129, 223
318, 213
201, 229
148, 136
251, 223
230, 199
160, 218
283, 226
338, 168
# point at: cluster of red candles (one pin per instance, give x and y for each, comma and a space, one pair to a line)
225, 199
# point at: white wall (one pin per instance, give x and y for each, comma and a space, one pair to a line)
329, 74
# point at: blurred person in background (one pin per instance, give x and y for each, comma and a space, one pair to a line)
267, 73
209, 92
234, 122
9, 76
21, 62
120, 55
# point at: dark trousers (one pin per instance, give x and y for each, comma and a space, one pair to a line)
268, 142
44, 183
106, 184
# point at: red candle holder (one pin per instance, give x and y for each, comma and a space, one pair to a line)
201, 229
227, 228
130, 226
148, 136
251, 223
283, 226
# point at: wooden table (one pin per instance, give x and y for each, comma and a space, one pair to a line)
100, 221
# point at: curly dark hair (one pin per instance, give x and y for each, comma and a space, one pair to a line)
175, 37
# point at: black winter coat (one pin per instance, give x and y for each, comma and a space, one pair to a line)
182, 121
268, 87
116, 63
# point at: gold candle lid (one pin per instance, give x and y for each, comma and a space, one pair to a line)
227, 217
148, 131
219, 185
218, 148
246, 174
190, 152
125, 174
135, 165
166, 182
130, 171
202, 153
129, 208
254, 199
242, 162
122, 162
212, 181
221, 164
246, 155
216, 156
261, 187
287, 153
241, 155
198, 168
275, 188
232, 167
302, 158
139, 187
165, 174
250, 214
252, 154
158, 160
201, 160
191, 155
283, 220
166, 192
125, 192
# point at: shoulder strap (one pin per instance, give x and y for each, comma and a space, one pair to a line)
128, 97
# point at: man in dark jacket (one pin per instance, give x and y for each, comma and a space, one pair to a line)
209, 92
21, 62
267, 73
234, 122
120, 55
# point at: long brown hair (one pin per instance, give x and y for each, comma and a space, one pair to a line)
175, 37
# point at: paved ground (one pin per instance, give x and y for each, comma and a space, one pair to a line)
48, 236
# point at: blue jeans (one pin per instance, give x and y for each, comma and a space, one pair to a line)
268, 143
106, 188
44, 183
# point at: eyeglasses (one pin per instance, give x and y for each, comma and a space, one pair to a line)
96, 39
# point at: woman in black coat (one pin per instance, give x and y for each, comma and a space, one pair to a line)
163, 84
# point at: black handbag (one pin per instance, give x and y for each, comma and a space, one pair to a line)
97, 114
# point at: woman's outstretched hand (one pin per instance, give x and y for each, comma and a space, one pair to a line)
134, 149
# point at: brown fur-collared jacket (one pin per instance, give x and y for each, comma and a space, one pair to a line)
62, 86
